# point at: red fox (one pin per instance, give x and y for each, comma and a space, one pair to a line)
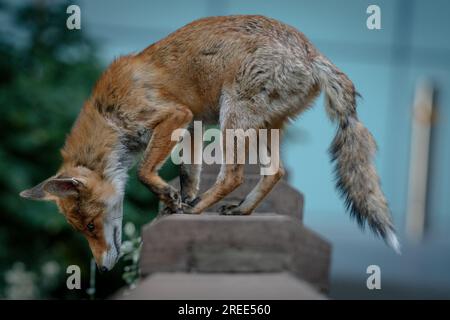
242, 72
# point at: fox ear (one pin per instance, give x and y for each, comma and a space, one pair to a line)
63, 187
53, 187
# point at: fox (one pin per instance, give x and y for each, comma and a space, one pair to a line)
238, 72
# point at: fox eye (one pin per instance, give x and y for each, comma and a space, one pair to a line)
90, 226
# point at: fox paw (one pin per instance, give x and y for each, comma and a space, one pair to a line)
185, 209
182, 209
166, 211
230, 210
189, 201
171, 198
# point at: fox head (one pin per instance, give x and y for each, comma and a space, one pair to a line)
90, 204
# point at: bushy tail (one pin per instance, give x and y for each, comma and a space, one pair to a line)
352, 151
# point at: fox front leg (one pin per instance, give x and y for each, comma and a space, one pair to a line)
190, 171
158, 150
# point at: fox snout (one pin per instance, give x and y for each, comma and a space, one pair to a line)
113, 237
107, 255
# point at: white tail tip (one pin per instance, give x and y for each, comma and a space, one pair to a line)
393, 242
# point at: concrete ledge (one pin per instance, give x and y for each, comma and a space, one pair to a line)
250, 286
232, 244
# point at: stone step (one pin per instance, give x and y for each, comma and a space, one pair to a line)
283, 199
221, 286
235, 244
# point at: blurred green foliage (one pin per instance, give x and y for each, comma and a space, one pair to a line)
46, 72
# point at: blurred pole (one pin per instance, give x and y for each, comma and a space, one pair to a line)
419, 160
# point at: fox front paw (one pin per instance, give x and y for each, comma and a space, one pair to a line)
165, 211
171, 198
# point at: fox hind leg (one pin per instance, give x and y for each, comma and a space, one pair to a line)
230, 177
231, 174
254, 198
262, 188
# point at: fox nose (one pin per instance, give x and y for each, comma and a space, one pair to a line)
103, 269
